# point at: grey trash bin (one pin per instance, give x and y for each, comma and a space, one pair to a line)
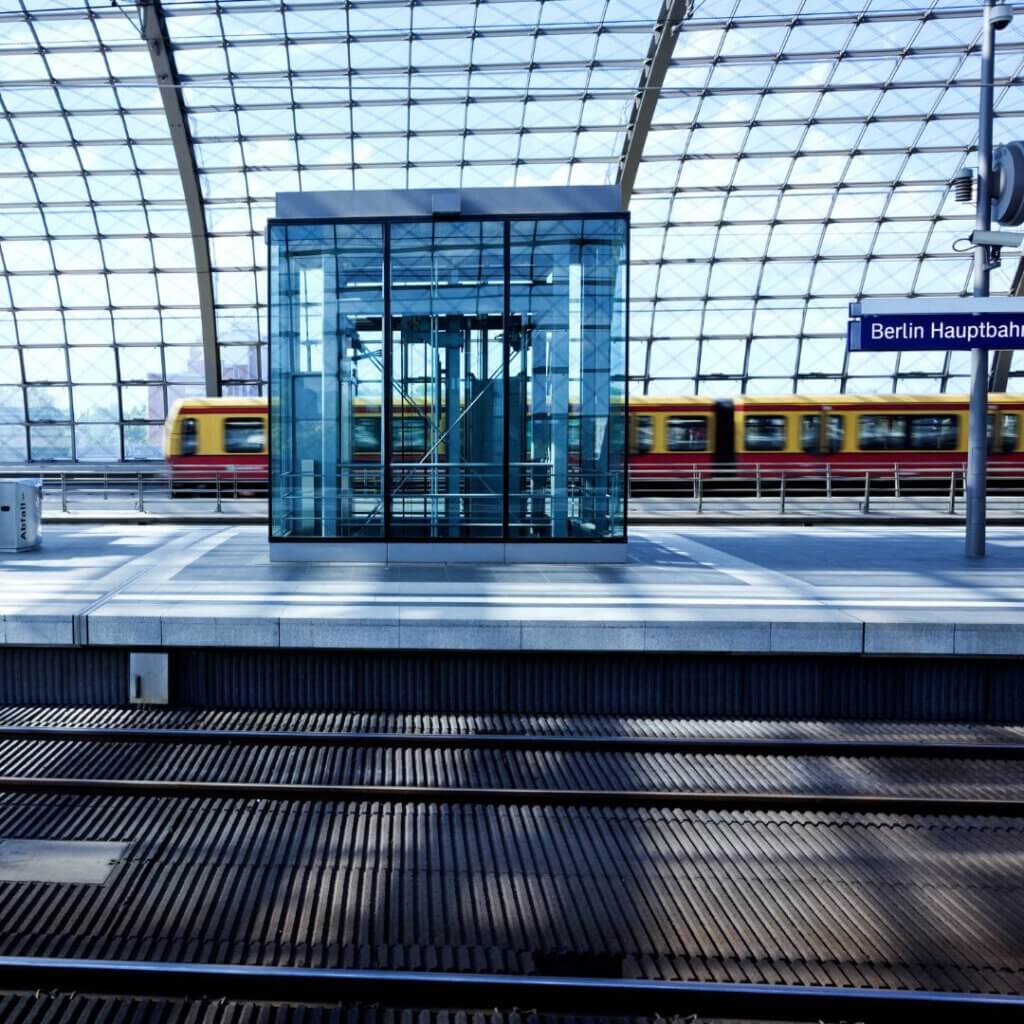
21, 510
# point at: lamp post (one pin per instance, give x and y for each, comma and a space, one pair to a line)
995, 18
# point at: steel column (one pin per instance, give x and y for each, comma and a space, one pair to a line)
158, 42
659, 55
976, 431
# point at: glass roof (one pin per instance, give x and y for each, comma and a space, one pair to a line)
99, 319
798, 158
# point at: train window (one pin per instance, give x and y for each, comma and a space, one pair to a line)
643, 434
243, 437
189, 437
366, 435
810, 434
882, 433
687, 434
616, 433
409, 434
572, 433
764, 433
934, 433
1009, 432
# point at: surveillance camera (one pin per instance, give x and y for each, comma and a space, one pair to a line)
1001, 16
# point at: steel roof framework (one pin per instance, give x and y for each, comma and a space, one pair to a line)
781, 159
154, 31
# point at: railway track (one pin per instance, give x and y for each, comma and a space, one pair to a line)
1011, 750
518, 774
535, 728
757, 870
881, 773
434, 995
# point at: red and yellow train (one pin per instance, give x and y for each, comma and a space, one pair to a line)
668, 437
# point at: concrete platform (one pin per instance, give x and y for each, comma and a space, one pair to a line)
735, 589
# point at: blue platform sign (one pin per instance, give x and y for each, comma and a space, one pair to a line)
918, 325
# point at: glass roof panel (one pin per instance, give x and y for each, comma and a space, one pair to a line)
798, 158
813, 163
392, 94
79, 249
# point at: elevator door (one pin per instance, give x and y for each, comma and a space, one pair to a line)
447, 391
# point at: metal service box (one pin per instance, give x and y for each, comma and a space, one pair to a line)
21, 511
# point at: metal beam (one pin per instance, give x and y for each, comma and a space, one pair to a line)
999, 377
154, 31
659, 56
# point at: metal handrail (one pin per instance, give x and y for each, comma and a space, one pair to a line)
859, 488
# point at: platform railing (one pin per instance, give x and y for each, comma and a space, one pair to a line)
852, 490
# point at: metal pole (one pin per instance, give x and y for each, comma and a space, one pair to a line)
976, 432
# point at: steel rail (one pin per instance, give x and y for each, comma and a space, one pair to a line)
448, 990
774, 746
674, 799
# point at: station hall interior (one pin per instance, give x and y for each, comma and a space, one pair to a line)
511, 511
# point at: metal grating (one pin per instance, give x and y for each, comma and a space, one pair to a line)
951, 690
907, 902
63, 675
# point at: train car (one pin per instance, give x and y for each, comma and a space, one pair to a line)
919, 433
207, 438
668, 437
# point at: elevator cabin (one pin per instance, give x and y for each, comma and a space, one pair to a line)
491, 408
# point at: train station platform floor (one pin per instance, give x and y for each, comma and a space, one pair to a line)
741, 589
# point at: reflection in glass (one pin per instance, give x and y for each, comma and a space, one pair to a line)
447, 297
491, 406
327, 307
567, 352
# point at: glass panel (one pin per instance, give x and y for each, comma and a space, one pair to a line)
447, 397
567, 354
95, 442
143, 442
764, 433
686, 434
930, 433
327, 307
643, 434
1008, 433
51, 443
882, 433
189, 437
811, 440
1011, 432
244, 436
450, 443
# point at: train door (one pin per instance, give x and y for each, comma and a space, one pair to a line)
821, 433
